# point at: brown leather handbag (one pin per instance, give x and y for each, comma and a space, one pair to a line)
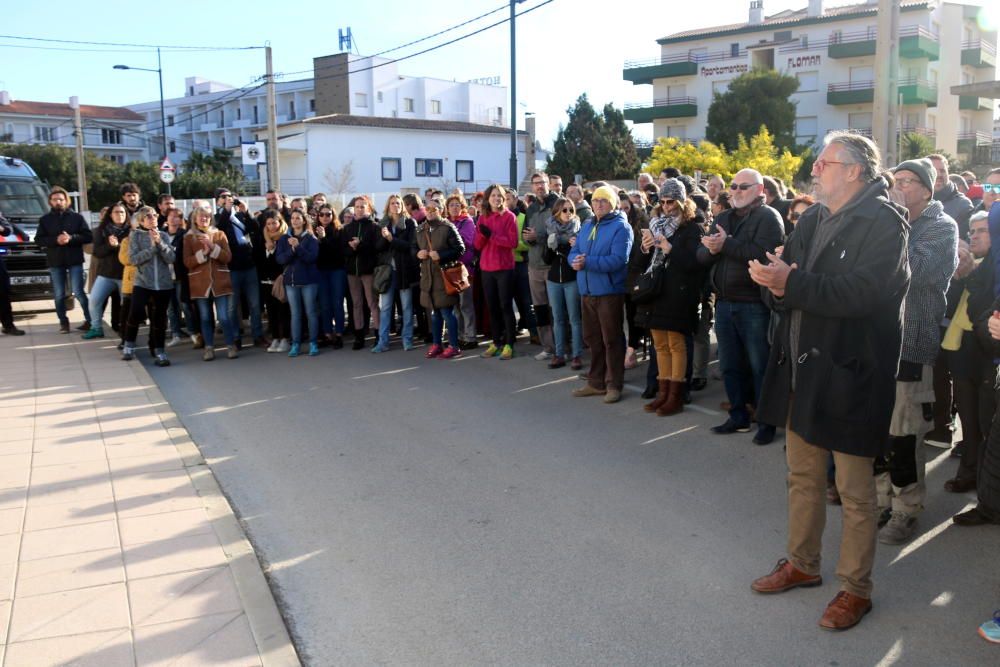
454, 274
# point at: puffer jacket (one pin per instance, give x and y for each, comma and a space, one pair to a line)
758, 231
128, 268
152, 260
606, 243
208, 274
444, 238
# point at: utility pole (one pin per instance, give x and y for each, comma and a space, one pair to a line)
163, 113
885, 106
273, 175
81, 173
513, 98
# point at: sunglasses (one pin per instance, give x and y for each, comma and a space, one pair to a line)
741, 186
326, 215
668, 201
991, 187
571, 211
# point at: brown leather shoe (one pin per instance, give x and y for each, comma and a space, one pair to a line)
784, 577
845, 611
587, 390
661, 396
959, 485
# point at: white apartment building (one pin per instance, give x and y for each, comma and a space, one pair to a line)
831, 51
110, 132
215, 115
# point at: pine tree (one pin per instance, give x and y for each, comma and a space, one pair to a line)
598, 146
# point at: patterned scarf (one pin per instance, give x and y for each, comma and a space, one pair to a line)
665, 226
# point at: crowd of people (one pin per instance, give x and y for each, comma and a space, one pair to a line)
862, 316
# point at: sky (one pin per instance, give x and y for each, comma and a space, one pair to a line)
564, 48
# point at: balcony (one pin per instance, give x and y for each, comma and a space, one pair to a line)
979, 54
918, 42
682, 64
673, 107
852, 44
918, 91
854, 92
969, 141
973, 103
928, 132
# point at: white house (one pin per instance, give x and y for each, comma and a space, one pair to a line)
832, 52
343, 154
114, 133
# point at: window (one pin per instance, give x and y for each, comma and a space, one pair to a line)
312, 104
806, 129
291, 109
392, 169
173, 146
463, 171
256, 118
361, 100
860, 121
500, 115
865, 74
117, 159
223, 141
45, 133
734, 50
808, 82
783, 36
239, 113
804, 41
378, 96
222, 117
170, 121
427, 167
719, 87
677, 131
191, 91
111, 136
436, 106
408, 104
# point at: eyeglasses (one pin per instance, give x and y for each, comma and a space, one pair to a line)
906, 182
820, 165
742, 186
991, 187
667, 201
327, 214
539, 183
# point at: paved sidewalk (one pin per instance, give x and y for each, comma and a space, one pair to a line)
116, 545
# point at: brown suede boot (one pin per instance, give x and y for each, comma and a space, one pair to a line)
661, 396
674, 402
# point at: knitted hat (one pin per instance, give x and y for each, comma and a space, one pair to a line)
607, 193
923, 168
673, 189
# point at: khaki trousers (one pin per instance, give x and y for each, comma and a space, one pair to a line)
807, 512
671, 355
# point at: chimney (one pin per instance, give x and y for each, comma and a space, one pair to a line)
815, 8
4, 98
756, 12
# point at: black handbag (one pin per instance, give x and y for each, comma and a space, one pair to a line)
649, 286
382, 278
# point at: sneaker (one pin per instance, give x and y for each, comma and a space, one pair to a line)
576, 364
469, 344
899, 529
232, 352
161, 360
284, 346
990, 630
507, 353
294, 350
557, 362
491, 351
451, 352
612, 396
543, 356
587, 390
273, 347
313, 349
730, 427
198, 342
174, 341
434, 351
378, 349
883, 516
208, 354
128, 353
13, 331
93, 333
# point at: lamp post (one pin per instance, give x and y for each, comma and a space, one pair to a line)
513, 96
163, 113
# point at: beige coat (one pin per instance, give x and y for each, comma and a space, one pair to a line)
208, 274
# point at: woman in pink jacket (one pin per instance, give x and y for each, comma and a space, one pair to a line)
495, 239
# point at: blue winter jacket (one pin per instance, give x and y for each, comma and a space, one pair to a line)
300, 263
606, 243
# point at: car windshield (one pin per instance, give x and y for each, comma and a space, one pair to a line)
18, 198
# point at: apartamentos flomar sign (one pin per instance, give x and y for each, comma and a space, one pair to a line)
723, 70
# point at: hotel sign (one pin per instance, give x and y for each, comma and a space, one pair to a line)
797, 62
721, 70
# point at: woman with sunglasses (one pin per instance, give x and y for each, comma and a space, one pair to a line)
564, 295
152, 255
206, 256
495, 239
332, 277
795, 211
297, 251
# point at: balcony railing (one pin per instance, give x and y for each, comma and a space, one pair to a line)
918, 91
928, 132
850, 85
980, 45
671, 107
979, 138
853, 92
662, 102
685, 58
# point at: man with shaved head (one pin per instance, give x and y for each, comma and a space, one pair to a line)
747, 231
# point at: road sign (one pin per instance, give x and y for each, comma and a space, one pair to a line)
167, 175
166, 165
254, 152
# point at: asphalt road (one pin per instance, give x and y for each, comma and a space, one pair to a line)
467, 512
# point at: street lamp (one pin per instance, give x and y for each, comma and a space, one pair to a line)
513, 96
163, 114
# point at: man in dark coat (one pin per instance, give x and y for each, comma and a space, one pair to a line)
63, 233
831, 376
6, 313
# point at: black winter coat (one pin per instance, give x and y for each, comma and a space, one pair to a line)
751, 237
51, 225
243, 255
558, 260
850, 338
360, 261
677, 308
401, 249
331, 250
106, 262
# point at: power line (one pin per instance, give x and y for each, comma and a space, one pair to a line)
219, 103
61, 48
143, 46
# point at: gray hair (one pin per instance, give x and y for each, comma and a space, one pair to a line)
861, 150
979, 215
142, 212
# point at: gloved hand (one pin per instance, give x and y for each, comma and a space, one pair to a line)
485, 231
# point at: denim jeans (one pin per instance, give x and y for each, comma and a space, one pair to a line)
245, 282
103, 288
304, 297
385, 302
439, 317
178, 308
58, 275
741, 330
332, 287
564, 299
222, 308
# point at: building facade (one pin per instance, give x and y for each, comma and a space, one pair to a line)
832, 53
113, 133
